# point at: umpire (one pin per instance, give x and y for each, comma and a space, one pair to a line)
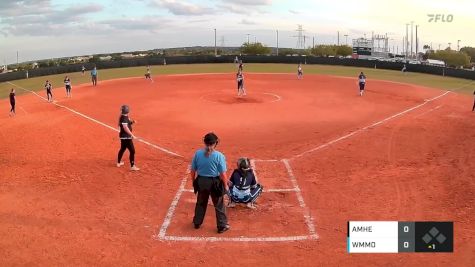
208, 172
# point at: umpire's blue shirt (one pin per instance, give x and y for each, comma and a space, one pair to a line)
210, 166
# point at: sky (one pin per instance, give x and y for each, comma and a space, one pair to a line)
40, 29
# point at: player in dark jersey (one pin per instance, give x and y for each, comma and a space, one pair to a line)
362, 82
67, 84
240, 83
49, 91
240, 65
243, 185
12, 102
473, 109
126, 136
299, 71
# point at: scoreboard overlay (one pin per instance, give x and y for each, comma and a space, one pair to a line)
396, 237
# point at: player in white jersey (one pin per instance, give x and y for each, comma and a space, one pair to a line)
299, 71
67, 84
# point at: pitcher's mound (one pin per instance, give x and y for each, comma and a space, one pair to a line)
251, 98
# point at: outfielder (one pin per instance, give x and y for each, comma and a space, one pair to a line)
362, 82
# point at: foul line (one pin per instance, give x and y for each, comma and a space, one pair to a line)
369, 126
307, 216
99, 122
171, 209
430, 110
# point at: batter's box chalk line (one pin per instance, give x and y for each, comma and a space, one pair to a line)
312, 235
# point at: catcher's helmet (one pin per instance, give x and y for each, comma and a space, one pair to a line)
244, 164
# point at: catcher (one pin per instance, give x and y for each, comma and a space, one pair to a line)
243, 186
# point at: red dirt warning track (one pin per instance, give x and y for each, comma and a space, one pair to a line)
63, 201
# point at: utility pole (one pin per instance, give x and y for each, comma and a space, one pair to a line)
346, 39
313, 42
450, 48
215, 47
417, 42
277, 31
458, 45
338, 38
372, 41
407, 40
248, 38
412, 38
17, 59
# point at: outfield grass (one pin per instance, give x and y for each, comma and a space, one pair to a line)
459, 85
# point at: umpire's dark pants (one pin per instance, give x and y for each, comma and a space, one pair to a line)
209, 186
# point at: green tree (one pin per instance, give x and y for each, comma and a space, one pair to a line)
255, 49
452, 58
324, 50
470, 51
94, 59
287, 51
344, 50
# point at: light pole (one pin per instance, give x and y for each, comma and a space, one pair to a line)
346, 39
449, 46
277, 31
417, 42
248, 38
215, 48
412, 37
458, 45
407, 41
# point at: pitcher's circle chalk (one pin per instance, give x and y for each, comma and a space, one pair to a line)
225, 97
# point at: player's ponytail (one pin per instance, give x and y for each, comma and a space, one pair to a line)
211, 141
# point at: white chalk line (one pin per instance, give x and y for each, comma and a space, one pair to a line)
307, 216
430, 110
265, 160
369, 126
278, 97
271, 190
171, 211
253, 166
173, 205
99, 122
24, 111
238, 239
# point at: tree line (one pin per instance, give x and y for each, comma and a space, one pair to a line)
319, 50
